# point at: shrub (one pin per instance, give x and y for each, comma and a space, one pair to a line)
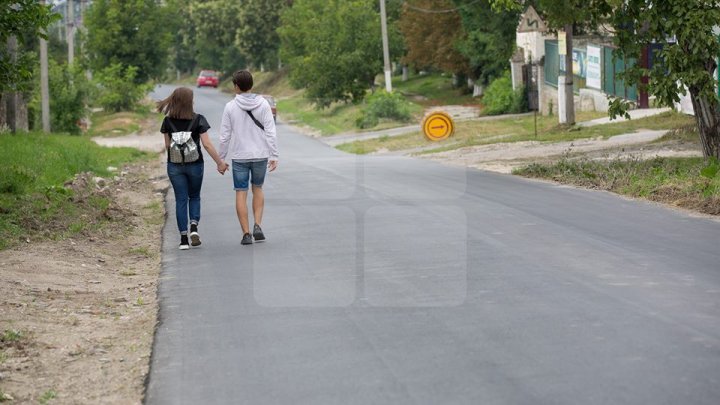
69, 96
383, 105
500, 98
117, 88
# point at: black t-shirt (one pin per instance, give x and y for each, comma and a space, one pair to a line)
201, 126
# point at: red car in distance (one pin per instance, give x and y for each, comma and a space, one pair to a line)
208, 78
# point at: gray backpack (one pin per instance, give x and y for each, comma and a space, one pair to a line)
183, 148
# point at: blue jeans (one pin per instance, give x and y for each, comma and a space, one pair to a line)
186, 180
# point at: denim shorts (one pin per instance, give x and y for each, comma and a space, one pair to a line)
244, 171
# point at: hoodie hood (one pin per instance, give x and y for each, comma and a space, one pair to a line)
248, 101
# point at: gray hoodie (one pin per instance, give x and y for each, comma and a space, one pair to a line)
240, 137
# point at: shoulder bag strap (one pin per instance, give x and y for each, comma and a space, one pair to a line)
261, 126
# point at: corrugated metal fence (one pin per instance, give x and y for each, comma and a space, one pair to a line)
610, 67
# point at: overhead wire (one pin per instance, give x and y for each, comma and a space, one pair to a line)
444, 11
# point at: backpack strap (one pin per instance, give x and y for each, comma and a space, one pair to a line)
169, 121
261, 126
189, 129
192, 123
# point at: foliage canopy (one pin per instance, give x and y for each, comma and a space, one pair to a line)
131, 33
20, 18
332, 47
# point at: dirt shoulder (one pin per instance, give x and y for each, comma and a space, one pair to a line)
504, 157
77, 316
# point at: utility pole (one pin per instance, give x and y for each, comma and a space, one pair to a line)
44, 90
70, 31
386, 47
569, 93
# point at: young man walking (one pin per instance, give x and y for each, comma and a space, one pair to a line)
248, 137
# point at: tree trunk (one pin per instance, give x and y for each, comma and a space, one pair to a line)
707, 117
3, 112
16, 114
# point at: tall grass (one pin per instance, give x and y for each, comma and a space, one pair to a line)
34, 169
690, 183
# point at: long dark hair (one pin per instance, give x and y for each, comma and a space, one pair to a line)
178, 105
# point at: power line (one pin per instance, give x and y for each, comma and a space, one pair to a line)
449, 10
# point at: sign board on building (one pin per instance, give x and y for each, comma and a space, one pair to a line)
579, 58
579, 63
594, 68
530, 21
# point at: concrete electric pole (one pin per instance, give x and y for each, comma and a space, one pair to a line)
569, 99
44, 90
70, 31
386, 47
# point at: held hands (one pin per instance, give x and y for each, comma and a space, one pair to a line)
272, 165
222, 167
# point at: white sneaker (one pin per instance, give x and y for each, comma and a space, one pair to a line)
184, 245
194, 236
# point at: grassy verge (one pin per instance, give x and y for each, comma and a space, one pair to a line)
471, 133
34, 201
689, 183
336, 119
122, 123
431, 90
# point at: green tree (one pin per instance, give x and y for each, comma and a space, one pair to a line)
333, 48
216, 24
687, 58
184, 50
20, 18
490, 38
131, 33
257, 36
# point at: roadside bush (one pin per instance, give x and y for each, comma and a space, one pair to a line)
69, 97
500, 98
117, 88
383, 105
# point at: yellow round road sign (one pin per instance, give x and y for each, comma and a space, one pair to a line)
438, 126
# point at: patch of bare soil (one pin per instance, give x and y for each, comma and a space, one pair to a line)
148, 138
77, 316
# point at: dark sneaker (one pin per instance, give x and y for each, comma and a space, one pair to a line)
247, 239
184, 245
258, 233
194, 235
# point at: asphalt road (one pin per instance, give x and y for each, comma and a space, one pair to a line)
393, 280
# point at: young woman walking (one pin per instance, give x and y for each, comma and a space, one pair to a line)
184, 132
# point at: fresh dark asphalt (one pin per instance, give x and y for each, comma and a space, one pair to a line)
393, 280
